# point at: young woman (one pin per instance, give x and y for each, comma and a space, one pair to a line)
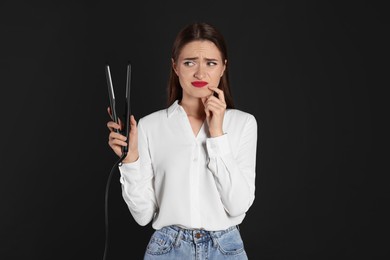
190, 168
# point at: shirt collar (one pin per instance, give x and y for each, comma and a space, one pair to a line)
172, 108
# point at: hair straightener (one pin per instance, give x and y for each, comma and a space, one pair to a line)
111, 96
124, 132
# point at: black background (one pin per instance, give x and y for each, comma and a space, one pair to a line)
308, 71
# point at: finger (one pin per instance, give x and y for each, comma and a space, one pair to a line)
216, 103
204, 99
133, 121
119, 120
133, 126
109, 112
120, 123
112, 125
220, 93
207, 111
117, 142
214, 108
215, 100
114, 135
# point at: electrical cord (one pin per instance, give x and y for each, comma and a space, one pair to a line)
118, 163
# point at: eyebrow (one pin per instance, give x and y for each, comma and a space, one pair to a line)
195, 58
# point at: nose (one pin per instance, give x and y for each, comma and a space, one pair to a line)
200, 72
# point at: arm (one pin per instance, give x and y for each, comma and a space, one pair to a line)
137, 183
235, 175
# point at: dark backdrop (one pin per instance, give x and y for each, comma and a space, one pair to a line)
305, 69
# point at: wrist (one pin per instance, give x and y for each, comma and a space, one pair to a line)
131, 157
216, 133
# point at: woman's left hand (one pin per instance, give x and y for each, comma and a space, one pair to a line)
215, 110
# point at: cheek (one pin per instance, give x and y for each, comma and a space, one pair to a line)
184, 78
216, 75
183, 72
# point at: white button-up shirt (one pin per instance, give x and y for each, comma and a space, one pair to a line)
187, 180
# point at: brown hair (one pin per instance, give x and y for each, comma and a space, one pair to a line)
196, 32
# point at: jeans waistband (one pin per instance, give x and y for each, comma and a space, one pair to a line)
194, 235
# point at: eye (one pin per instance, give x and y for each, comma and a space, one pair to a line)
212, 63
189, 63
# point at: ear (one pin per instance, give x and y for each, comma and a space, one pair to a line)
174, 66
224, 68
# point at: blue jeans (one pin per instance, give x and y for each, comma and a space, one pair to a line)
173, 242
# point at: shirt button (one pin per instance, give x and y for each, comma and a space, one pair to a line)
195, 159
198, 235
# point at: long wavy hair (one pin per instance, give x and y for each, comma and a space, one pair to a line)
198, 32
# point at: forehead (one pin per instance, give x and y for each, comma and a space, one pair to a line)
200, 48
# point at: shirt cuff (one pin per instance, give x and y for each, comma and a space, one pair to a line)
217, 146
130, 171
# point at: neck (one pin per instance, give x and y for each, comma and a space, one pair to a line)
193, 107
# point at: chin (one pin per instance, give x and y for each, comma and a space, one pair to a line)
200, 93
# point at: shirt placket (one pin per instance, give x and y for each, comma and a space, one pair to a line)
194, 172
196, 220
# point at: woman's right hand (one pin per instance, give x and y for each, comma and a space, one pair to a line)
116, 140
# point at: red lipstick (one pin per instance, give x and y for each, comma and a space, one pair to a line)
199, 84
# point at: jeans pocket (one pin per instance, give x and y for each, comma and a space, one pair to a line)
230, 243
160, 243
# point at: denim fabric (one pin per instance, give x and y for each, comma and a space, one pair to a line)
173, 242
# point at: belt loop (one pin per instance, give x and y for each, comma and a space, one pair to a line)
177, 241
213, 237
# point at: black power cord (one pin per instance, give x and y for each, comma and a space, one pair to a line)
126, 133
118, 163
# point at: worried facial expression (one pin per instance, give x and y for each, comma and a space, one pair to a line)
198, 66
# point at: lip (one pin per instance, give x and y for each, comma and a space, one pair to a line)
199, 84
